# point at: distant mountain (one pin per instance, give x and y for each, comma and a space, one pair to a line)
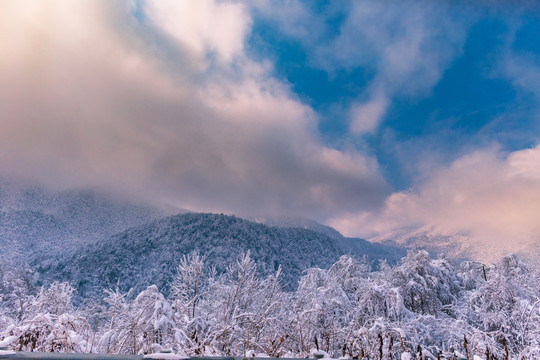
460, 245
454, 245
35, 223
149, 254
451, 244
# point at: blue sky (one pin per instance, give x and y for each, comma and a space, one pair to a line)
372, 116
472, 105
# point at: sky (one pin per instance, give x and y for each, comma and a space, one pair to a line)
375, 117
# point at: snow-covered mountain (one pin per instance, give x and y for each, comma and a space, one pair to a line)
454, 245
39, 223
150, 254
94, 241
459, 245
347, 245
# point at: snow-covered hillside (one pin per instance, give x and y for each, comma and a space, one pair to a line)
455, 245
458, 245
37, 224
149, 254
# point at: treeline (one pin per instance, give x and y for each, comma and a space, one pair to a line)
419, 308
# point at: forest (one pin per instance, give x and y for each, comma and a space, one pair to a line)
420, 308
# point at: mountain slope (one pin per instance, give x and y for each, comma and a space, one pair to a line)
460, 245
347, 245
38, 223
149, 254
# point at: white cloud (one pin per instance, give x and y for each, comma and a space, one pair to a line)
90, 96
523, 71
407, 45
366, 116
203, 26
492, 196
292, 17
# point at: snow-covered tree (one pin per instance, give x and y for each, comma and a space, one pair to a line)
188, 288
427, 286
348, 271
141, 326
321, 310
505, 307
51, 323
188, 285
421, 308
116, 337
15, 289
245, 308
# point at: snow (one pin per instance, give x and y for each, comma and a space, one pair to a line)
319, 354
250, 353
7, 341
165, 356
253, 354
406, 356
7, 352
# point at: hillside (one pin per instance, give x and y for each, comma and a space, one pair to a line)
149, 254
459, 245
375, 250
35, 223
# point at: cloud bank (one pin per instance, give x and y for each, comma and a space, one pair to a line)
491, 195
158, 99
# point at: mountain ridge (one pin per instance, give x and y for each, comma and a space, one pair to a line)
149, 254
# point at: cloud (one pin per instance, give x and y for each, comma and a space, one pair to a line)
366, 117
407, 46
293, 18
162, 102
404, 47
204, 26
522, 70
491, 195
